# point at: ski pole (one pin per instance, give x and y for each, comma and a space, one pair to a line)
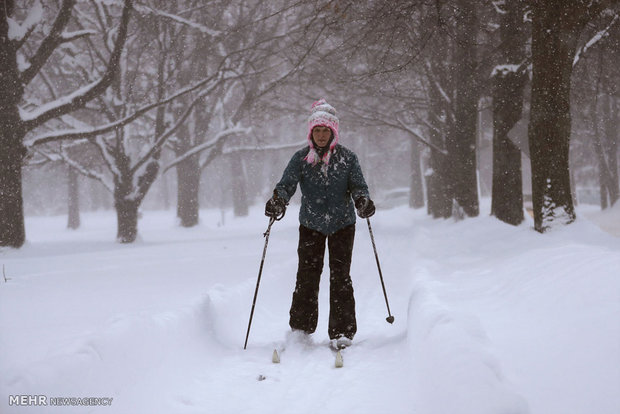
390, 318
260, 271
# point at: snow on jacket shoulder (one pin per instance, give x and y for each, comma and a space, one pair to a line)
326, 196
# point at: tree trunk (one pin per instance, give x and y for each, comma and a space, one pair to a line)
240, 195
165, 192
128, 195
610, 144
12, 229
416, 190
438, 187
508, 85
461, 144
73, 199
188, 178
126, 202
604, 174
127, 219
555, 29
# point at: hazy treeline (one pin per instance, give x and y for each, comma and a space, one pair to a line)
189, 104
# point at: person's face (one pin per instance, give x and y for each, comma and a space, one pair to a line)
321, 135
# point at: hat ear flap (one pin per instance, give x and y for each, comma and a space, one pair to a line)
322, 114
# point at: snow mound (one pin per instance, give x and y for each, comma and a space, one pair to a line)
112, 360
490, 318
455, 367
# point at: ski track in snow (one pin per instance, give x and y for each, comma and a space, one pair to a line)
488, 317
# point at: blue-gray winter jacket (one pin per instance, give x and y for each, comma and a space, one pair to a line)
326, 197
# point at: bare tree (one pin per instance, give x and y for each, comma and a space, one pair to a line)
509, 79
461, 142
556, 28
131, 142
15, 78
605, 116
268, 43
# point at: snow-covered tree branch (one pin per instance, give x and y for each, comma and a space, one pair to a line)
80, 97
103, 129
598, 36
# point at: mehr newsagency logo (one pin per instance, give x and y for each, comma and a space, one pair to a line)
44, 400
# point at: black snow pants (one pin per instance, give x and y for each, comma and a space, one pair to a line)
305, 307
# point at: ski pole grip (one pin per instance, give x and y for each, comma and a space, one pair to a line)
279, 216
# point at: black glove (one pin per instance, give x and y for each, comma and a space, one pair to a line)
275, 207
365, 207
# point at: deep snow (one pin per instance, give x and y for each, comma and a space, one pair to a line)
490, 318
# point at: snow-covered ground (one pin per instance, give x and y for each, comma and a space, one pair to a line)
489, 319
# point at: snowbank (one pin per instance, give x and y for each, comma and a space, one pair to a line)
490, 318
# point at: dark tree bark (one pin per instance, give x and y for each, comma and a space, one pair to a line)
556, 26
124, 202
612, 134
438, 187
439, 192
128, 196
189, 170
73, 199
126, 218
188, 179
508, 86
239, 191
461, 143
416, 189
607, 152
12, 231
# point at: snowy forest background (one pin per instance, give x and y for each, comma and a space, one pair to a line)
184, 105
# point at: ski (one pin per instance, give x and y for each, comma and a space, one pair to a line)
338, 346
338, 363
275, 358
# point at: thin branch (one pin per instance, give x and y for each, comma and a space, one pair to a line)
64, 157
399, 124
161, 140
417, 136
71, 36
206, 145
85, 171
50, 43
594, 40
91, 132
202, 28
19, 43
79, 98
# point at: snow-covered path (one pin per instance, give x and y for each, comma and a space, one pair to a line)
489, 319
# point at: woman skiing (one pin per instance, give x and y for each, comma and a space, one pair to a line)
331, 183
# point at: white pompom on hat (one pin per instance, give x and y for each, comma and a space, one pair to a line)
323, 114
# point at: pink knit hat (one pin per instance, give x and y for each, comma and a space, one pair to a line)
323, 114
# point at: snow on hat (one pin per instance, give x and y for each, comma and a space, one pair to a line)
323, 114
